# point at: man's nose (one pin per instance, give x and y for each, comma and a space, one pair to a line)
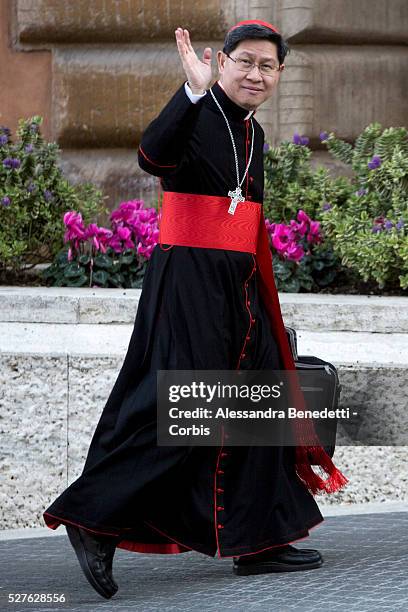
255, 74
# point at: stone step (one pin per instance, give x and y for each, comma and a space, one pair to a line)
341, 348
303, 311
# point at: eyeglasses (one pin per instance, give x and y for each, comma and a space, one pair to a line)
246, 65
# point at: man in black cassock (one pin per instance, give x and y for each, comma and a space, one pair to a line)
200, 308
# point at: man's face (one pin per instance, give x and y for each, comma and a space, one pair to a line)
249, 89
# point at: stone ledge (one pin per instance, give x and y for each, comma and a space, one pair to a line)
340, 348
304, 311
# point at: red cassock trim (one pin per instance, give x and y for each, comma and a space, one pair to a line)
154, 163
251, 318
163, 548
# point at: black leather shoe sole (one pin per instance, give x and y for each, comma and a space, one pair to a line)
75, 539
273, 566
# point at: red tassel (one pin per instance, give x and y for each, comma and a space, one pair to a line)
305, 455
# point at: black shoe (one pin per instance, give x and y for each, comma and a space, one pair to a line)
283, 559
95, 555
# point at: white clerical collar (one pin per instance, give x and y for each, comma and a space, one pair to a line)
250, 112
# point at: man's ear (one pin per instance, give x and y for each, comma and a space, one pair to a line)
282, 67
221, 57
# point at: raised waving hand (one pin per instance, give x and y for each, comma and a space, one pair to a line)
198, 72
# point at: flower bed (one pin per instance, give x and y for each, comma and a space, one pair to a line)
101, 257
329, 234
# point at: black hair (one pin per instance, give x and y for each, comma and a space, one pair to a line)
245, 32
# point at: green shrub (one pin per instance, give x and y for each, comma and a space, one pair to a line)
34, 196
292, 186
369, 229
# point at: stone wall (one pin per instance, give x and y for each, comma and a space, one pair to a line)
114, 64
25, 78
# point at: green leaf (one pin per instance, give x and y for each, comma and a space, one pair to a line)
292, 286
136, 283
72, 270
78, 282
117, 280
127, 258
100, 277
84, 259
103, 261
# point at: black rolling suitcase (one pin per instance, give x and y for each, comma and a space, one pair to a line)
324, 392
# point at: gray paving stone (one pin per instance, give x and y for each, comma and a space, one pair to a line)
365, 570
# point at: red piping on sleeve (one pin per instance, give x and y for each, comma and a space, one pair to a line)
154, 163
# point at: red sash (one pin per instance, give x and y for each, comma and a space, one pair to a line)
203, 221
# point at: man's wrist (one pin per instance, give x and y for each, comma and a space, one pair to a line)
195, 91
194, 97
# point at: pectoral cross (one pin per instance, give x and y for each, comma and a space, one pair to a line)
236, 196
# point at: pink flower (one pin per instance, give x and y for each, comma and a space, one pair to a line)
127, 212
280, 237
121, 239
302, 228
302, 216
314, 232
125, 234
134, 225
75, 227
289, 240
146, 251
98, 236
131, 224
269, 225
295, 252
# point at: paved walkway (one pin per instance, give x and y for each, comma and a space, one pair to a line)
365, 570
